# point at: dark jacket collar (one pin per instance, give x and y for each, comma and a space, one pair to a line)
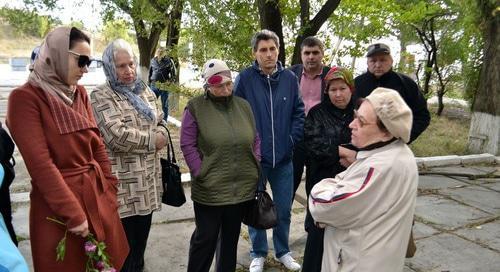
377, 145
337, 111
383, 77
224, 100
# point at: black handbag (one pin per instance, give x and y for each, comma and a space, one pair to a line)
173, 192
261, 212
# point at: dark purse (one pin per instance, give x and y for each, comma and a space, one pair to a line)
173, 192
261, 212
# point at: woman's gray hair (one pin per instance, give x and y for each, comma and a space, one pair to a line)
264, 35
122, 45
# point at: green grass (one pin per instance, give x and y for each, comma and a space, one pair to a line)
444, 136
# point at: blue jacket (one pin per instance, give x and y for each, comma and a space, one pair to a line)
11, 259
282, 126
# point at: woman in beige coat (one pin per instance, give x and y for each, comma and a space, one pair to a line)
368, 209
133, 129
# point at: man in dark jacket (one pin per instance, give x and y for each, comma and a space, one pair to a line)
273, 94
162, 70
380, 74
310, 74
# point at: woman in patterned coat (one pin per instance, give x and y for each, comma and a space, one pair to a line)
134, 132
51, 121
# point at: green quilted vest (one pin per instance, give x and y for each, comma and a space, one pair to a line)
226, 133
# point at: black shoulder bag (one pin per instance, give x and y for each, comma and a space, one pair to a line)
261, 212
173, 193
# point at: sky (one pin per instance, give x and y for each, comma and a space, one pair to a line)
88, 11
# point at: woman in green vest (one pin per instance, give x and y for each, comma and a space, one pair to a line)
222, 149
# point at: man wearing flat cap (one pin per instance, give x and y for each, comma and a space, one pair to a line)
380, 74
368, 209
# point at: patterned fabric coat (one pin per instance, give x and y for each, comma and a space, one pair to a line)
130, 141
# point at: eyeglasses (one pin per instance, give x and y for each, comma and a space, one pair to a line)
361, 120
83, 60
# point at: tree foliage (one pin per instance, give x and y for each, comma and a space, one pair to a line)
114, 29
220, 29
28, 22
150, 19
357, 23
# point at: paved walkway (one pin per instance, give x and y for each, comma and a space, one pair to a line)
457, 219
457, 224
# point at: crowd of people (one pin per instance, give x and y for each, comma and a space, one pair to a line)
95, 166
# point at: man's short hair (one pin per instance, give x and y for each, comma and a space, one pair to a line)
264, 35
312, 41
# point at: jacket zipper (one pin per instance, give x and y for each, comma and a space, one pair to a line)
272, 117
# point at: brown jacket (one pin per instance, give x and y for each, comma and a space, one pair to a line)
71, 177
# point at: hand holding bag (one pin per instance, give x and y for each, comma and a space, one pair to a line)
261, 212
173, 192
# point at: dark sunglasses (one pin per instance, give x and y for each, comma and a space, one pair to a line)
83, 60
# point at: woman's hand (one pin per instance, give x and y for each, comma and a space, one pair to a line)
81, 230
347, 156
161, 140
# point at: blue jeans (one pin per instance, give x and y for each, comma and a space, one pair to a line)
164, 99
281, 181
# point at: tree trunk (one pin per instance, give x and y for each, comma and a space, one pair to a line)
427, 74
270, 18
312, 27
172, 42
353, 63
403, 55
440, 103
147, 42
484, 131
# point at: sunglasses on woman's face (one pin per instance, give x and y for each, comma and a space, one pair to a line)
83, 60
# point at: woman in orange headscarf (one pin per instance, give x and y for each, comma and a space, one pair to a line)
51, 121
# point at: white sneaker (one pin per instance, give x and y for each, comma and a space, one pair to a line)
288, 261
257, 264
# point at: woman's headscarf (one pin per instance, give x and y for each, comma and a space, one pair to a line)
131, 91
50, 69
339, 73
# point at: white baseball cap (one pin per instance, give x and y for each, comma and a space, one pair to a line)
215, 72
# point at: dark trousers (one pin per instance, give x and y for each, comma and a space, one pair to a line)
215, 224
313, 253
137, 230
299, 161
163, 94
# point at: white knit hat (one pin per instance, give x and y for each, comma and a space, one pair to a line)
216, 67
392, 110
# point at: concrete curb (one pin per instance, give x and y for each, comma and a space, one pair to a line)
450, 160
422, 162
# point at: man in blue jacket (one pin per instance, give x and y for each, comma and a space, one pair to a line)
273, 94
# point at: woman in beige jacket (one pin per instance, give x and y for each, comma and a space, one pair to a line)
368, 209
134, 131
